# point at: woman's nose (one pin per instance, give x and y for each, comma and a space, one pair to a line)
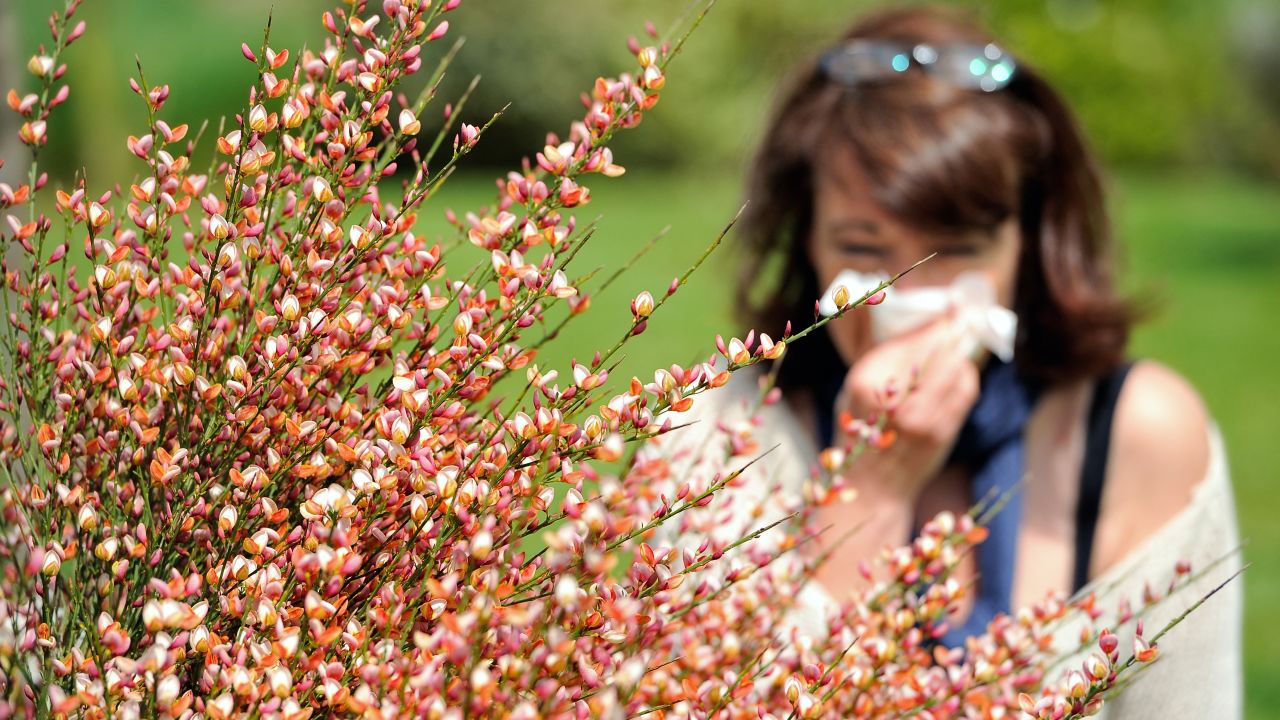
923, 271
922, 276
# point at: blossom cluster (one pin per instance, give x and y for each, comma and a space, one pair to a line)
270, 452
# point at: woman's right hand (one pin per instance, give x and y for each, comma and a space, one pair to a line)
925, 419
934, 385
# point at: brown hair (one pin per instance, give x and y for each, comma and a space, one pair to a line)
941, 156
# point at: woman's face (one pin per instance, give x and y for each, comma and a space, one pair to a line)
851, 231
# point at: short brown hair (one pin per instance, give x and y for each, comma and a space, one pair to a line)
942, 156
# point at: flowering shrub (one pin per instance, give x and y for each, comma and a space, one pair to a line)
257, 461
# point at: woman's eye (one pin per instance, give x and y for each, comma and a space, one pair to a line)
862, 249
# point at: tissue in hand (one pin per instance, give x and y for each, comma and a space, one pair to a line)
982, 321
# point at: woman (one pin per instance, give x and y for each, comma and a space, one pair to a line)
913, 136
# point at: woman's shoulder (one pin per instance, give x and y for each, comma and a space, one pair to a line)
740, 407
735, 430
1161, 424
1160, 453
744, 396
1168, 502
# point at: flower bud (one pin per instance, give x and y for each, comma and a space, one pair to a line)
318, 607
360, 237
105, 276
167, 690
642, 306
33, 133
1076, 685
1095, 667
481, 546
152, 617
1108, 642
106, 550
841, 296
370, 81
418, 509
98, 216
40, 65
467, 133
792, 688
400, 429
199, 639
258, 118
102, 329
593, 427
280, 681
320, 190
227, 254
184, 374
222, 707
87, 518
227, 518
228, 144
237, 368
267, 613
1142, 651
439, 32
219, 228
290, 308
293, 114
409, 124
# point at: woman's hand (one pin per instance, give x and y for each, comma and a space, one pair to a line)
927, 383
936, 383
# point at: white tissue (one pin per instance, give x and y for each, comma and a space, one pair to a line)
982, 321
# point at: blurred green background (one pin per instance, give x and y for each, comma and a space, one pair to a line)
1179, 97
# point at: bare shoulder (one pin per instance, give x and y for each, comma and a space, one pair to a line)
1159, 454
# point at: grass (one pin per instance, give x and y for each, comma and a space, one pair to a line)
1211, 249
1207, 249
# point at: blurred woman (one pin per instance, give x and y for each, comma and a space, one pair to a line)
918, 134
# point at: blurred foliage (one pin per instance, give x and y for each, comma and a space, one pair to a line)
1155, 82
193, 47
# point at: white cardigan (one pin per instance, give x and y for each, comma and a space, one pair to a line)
1199, 671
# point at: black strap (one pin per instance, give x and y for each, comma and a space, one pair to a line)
1093, 471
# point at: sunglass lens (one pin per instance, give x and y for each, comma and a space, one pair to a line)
862, 61
986, 68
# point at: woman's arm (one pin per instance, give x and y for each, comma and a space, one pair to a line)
1168, 500
1159, 454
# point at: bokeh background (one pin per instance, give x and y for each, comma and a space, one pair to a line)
1178, 96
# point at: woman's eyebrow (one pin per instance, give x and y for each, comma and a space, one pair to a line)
853, 224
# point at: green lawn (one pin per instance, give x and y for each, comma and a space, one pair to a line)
1207, 248
1210, 248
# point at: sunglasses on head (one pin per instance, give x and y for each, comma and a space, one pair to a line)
978, 67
